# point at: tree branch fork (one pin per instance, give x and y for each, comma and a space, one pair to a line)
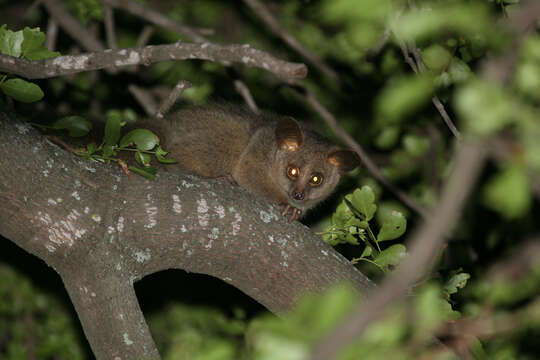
102, 231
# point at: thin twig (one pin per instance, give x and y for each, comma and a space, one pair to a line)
156, 18
108, 15
364, 157
405, 52
424, 246
266, 16
72, 26
243, 90
172, 98
52, 34
194, 34
144, 98
145, 35
418, 66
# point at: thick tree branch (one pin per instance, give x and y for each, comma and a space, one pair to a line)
71, 64
101, 231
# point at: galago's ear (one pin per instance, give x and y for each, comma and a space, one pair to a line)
289, 136
345, 160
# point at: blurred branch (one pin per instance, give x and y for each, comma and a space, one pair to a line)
522, 20
157, 18
108, 14
266, 16
364, 157
243, 90
52, 33
417, 65
194, 34
144, 98
71, 64
72, 26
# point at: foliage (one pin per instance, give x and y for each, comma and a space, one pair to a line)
350, 223
142, 142
25, 44
34, 323
387, 107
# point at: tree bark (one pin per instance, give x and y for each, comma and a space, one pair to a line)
102, 230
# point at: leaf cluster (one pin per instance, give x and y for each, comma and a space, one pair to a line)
351, 224
142, 142
25, 44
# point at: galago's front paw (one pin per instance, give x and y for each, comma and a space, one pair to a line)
291, 212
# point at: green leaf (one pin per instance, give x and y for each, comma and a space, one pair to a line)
436, 58
509, 192
393, 226
41, 54
484, 107
142, 158
165, 160
143, 139
388, 137
112, 128
415, 145
391, 256
76, 126
10, 41
91, 148
33, 39
431, 309
362, 201
456, 282
147, 172
444, 17
403, 97
459, 71
109, 151
368, 251
22, 90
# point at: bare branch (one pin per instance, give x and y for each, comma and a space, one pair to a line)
109, 26
72, 26
418, 66
145, 35
243, 90
172, 98
144, 99
52, 34
265, 15
156, 18
71, 64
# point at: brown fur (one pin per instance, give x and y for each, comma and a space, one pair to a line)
255, 150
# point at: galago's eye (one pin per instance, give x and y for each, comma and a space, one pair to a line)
316, 179
293, 172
